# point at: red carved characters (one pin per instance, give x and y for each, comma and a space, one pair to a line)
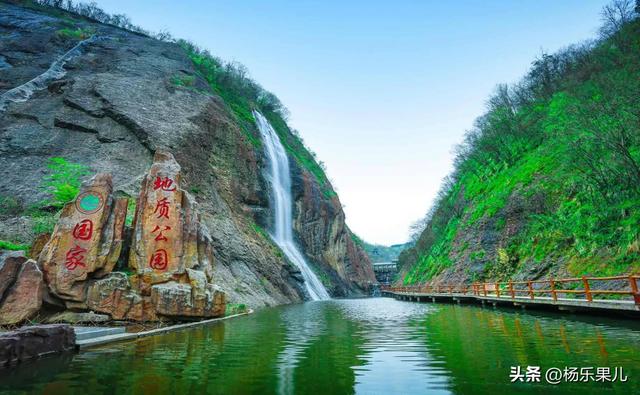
160, 236
83, 230
164, 184
162, 208
75, 258
159, 260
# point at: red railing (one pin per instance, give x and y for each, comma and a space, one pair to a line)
518, 289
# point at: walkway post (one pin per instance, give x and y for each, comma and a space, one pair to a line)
530, 289
553, 290
497, 290
513, 294
634, 289
484, 288
587, 290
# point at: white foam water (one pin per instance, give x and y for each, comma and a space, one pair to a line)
280, 180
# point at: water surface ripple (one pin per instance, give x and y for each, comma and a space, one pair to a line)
362, 346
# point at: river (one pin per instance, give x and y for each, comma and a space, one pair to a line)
363, 346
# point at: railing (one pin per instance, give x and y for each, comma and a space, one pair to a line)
531, 289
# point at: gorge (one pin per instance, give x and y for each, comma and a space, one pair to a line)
165, 229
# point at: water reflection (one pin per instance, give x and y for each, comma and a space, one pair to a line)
366, 346
302, 327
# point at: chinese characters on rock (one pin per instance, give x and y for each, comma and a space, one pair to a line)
159, 260
82, 232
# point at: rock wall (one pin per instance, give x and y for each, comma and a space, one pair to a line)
327, 241
112, 110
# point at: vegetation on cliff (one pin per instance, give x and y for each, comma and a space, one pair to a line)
379, 252
141, 93
228, 80
549, 176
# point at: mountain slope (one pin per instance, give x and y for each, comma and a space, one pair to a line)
547, 181
124, 95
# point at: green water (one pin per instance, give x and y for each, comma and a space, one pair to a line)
366, 346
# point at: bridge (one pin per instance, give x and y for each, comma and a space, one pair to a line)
385, 272
596, 294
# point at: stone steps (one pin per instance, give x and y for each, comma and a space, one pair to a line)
92, 332
122, 336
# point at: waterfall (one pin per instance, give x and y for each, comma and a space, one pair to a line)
282, 211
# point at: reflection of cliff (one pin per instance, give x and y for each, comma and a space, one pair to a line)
479, 346
326, 364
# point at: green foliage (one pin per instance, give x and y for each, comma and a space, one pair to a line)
43, 222
263, 233
231, 82
377, 252
7, 245
184, 80
235, 308
63, 181
567, 138
323, 277
131, 212
306, 158
75, 34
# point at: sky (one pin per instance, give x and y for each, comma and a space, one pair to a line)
381, 90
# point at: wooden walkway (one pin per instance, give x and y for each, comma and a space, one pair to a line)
597, 294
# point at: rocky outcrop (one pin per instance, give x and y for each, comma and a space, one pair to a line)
114, 295
326, 240
114, 108
171, 252
168, 238
10, 263
86, 241
22, 299
35, 341
72, 317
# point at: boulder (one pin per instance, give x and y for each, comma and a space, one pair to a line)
113, 295
164, 224
86, 240
182, 300
35, 341
72, 317
9, 266
38, 244
171, 250
24, 299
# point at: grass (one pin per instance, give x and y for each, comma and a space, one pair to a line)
235, 308
7, 245
75, 34
131, 212
263, 233
184, 80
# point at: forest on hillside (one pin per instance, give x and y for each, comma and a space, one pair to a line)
549, 176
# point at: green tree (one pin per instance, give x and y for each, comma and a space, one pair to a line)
63, 181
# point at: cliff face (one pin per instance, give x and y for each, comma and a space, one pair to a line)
320, 225
115, 101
